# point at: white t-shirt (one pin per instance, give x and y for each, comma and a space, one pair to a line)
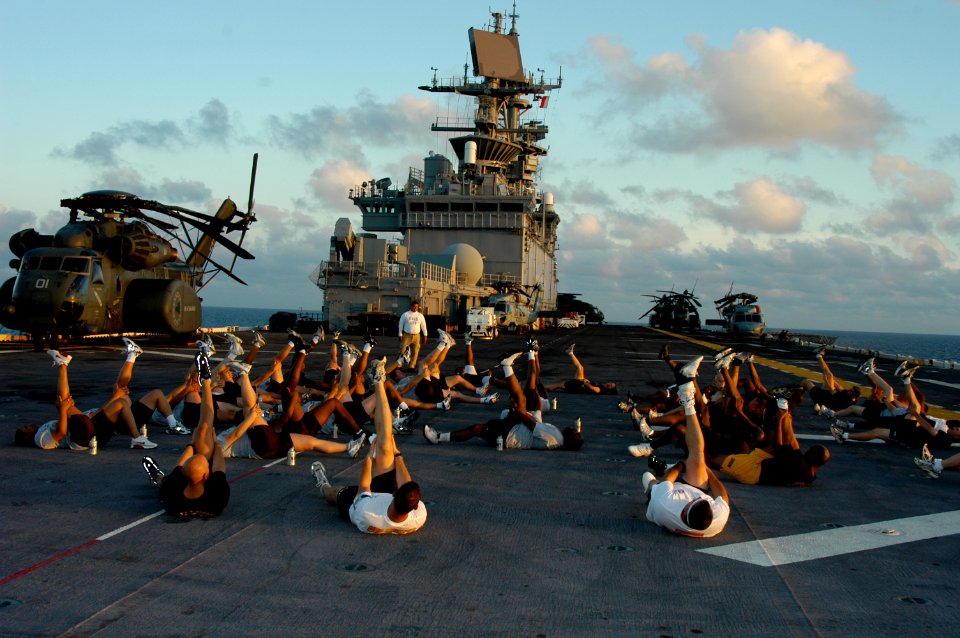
544, 436
241, 448
667, 500
44, 440
413, 323
369, 514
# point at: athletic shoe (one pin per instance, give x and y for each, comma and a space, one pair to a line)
319, 473
431, 435
467, 339
640, 423
380, 371
132, 348
445, 404
827, 413
203, 365
905, 365
745, 356
336, 335
657, 465
686, 393
689, 371
724, 363
641, 450
403, 422
866, 367
720, 355
652, 414
369, 340
178, 428
820, 352
508, 360
207, 344
846, 425
59, 359
142, 443
837, 432
664, 352
625, 407
236, 346
258, 340
569, 349
405, 355
240, 368
154, 472
492, 398
355, 445
318, 336
928, 466
907, 370
400, 426
926, 454
482, 390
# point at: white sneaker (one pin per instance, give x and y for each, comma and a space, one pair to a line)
689, 371
641, 424
236, 346
445, 404
355, 445
641, 450
142, 443
240, 368
467, 339
827, 413
926, 454
59, 359
866, 367
431, 435
319, 474
686, 393
838, 434
178, 428
508, 361
928, 466
258, 340
132, 348
493, 398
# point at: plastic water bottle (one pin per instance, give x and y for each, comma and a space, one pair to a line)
336, 431
143, 431
579, 424
93, 446
499, 444
291, 457
554, 404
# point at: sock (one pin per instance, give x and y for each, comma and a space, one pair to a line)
938, 465
689, 408
171, 420
445, 437
508, 371
403, 405
530, 355
367, 347
131, 356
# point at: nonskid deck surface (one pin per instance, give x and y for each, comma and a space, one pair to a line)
517, 542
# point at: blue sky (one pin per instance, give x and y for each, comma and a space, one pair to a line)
808, 152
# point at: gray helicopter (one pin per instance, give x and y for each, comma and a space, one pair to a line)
116, 268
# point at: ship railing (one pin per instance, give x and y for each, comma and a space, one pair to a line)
465, 219
362, 274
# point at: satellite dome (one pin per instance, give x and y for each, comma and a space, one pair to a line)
469, 261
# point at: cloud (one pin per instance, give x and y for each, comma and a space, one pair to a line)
101, 148
919, 197
332, 182
770, 90
758, 206
326, 129
947, 147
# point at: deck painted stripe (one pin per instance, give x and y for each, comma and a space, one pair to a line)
120, 530
796, 548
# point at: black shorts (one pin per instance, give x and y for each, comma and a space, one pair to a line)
908, 433
499, 427
103, 426
267, 444
833, 400
190, 416
141, 413
429, 391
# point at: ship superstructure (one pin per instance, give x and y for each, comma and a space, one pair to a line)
467, 226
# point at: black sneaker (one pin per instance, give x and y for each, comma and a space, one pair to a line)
657, 465
203, 366
154, 472
664, 352
368, 338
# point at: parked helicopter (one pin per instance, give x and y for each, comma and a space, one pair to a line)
109, 270
674, 311
739, 312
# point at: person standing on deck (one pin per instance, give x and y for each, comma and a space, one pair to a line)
412, 332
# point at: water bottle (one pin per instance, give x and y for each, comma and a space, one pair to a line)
554, 404
579, 424
93, 446
291, 457
499, 444
336, 431
143, 431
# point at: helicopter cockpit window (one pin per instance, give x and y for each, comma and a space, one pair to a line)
31, 263
78, 265
97, 273
50, 263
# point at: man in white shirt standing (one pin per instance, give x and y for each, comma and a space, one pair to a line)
413, 332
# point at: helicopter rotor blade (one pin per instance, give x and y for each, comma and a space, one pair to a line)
224, 270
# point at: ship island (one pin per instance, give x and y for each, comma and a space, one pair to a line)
472, 231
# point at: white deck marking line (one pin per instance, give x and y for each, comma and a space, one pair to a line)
796, 548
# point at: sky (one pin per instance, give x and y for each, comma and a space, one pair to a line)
805, 151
